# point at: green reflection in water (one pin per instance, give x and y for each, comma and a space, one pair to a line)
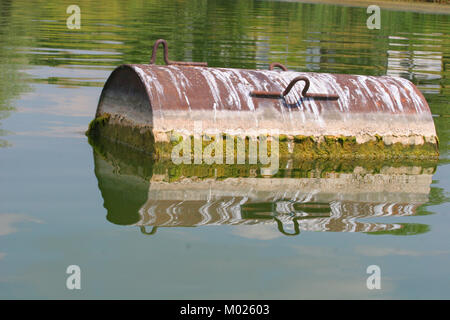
314, 196
240, 33
407, 229
237, 34
12, 80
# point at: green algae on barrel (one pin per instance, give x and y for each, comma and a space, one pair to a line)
132, 161
302, 147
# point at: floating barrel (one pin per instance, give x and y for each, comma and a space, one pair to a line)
314, 114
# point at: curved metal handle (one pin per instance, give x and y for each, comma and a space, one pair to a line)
148, 233
293, 82
305, 94
166, 56
277, 65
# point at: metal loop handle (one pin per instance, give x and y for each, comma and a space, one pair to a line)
166, 56
277, 65
293, 82
305, 94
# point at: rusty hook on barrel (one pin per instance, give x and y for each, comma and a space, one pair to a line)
166, 56
305, 94
293, 82
277, 65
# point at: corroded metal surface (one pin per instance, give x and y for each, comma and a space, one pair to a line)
193, 88
173, 97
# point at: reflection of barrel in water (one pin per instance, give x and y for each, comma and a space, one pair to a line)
316, 204
330, 202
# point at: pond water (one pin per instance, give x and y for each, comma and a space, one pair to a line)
139, 229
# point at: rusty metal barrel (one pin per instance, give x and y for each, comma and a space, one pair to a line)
379, 116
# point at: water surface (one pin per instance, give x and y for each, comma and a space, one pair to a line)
140, 229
